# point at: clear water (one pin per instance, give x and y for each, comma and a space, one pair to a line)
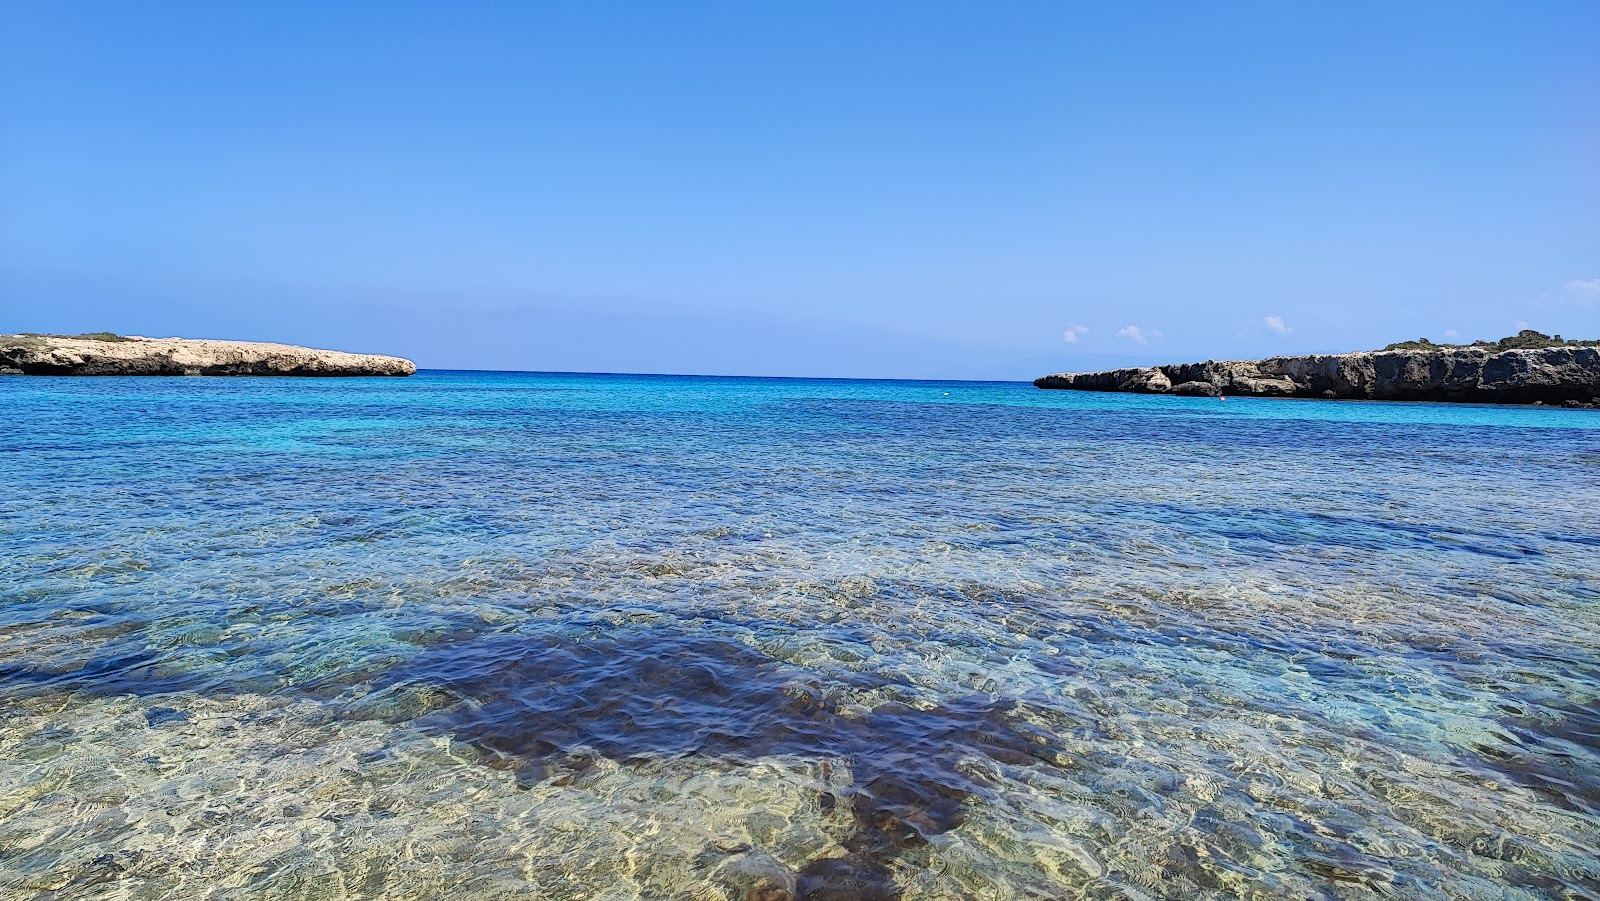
511, 635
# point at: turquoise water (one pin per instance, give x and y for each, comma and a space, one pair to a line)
558, 636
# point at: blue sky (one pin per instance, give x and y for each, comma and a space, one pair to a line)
879, 190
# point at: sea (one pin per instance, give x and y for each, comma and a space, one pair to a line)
526, 635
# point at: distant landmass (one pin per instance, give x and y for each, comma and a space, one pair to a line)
1526, 368
103, 353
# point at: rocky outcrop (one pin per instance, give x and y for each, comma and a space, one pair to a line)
117, 355
1568, 376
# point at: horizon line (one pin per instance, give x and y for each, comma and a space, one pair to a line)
704, 375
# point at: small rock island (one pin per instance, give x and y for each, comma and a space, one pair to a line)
1527, 368
102, 353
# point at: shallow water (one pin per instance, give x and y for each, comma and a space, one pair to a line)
512, 635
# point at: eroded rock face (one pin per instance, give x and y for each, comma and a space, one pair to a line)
49, 355
1196, 389
1556, 375
1148, 380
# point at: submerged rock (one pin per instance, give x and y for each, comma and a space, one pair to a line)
748, 874
850, 878
106, 354
1566, 376
156, 717
547, 708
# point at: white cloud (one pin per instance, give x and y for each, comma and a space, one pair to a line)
1073, 331
1451, 333
1276, 324
1133, 333
1584, 284
1521, 325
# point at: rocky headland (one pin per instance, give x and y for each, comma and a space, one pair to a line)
1529, 368
106, 354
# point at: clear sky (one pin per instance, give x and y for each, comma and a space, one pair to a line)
980, 190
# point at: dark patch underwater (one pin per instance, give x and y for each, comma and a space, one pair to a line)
546, 707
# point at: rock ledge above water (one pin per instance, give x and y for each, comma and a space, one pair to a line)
106, 354
1563, 376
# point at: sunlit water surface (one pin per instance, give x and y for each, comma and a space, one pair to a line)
474, 635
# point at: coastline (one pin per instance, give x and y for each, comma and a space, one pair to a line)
105, 354
1566, 376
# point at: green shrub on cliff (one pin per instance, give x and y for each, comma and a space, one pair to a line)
1530, 338
103, 336
35, 339
1525, 339
1419, 344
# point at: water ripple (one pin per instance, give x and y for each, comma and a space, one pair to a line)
644, 637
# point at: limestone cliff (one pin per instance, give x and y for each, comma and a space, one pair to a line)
1567, 375
117, 355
